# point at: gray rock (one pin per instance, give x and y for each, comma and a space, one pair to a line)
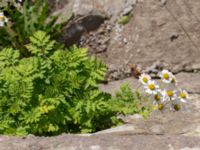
187, 81
150, 34
75, 29
163, 2
123, 128
85, 17
131, 118
174, 36
131, 2
127, 10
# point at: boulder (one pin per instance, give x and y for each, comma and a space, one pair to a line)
166, 33
85, 16
115, 141
157, 31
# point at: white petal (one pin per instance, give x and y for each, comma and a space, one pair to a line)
148, 91
183, 100
6, 20
154, 102
1, 24
167, 81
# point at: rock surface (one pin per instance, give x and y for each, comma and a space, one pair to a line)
165, 31
187, 81
86, 16
168, 34
117, 141
163, 130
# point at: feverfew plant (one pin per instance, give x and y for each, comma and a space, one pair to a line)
57, 90
52, 91
164, 93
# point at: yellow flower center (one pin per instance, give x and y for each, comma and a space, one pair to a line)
177, 107
160, 106
173, 80
170, 93
166, 76
2, 18
182, 95
152, 87
154, 107
157, 97
145, 80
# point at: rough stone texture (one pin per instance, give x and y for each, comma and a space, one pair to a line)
78, 26
168, 33
185, 122
116, 141
165, 31
97, 41
187, 81
86, 16
159, 31
110, 7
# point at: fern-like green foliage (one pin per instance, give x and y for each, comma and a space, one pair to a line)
52, 91
127, 102
56, 90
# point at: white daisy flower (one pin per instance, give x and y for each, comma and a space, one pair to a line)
1, 16
6, 19
176, 106
166, 76
1, 24
144, 78
3, 19
159, 97
183, 96
151, 87
159, 106
174, 80
170, 94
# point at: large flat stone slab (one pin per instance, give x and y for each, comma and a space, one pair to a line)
122, 141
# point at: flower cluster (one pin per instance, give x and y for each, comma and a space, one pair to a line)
166, 92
